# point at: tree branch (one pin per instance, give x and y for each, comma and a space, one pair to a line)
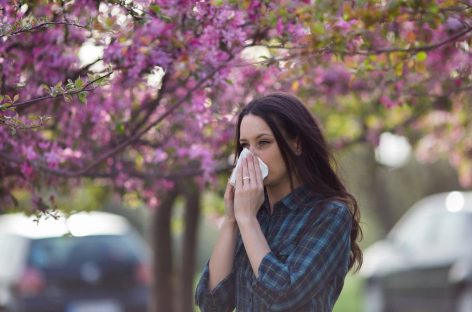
138, 134
84, 171
409, 50
83, 69
151, 107
36, 27
273, 60
149, 175
35, 100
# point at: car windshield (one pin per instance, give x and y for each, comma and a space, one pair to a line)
70, 251
433, 230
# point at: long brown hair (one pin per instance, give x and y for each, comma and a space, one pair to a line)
288, 118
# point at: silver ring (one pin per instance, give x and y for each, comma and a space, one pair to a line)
246, 178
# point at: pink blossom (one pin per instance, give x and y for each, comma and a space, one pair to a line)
296, 31
453, 24
52, 158
194, 47
279, 27
167, 184
27, 170
44, 144
387, 101
182, 152
160, 155
345, 25
30, 153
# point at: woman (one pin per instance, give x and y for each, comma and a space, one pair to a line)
287, 241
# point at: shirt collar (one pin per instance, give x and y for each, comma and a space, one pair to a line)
300, 197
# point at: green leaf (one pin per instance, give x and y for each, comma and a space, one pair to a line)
166, 18
1, 97
317, 28
82, 96
16, 97
434, 8
217, 2
5, 106
68, 98
120, 127
421, 56
79, 83
70, 84
45, 87
102, 81
155, 8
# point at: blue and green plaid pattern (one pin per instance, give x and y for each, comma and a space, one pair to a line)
310, 247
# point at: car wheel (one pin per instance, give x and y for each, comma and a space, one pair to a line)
464, 300
374, 298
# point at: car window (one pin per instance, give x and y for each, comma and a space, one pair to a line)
417, 231
454, 231
69, 251
12, 253
435, 231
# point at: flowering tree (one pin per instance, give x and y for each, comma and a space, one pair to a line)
155, 105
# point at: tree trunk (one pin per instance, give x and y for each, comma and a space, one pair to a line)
384, 210
162, 252
189, 248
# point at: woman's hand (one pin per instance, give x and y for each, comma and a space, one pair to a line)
229, 202
249, 190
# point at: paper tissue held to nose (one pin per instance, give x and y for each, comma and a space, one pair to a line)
244, 153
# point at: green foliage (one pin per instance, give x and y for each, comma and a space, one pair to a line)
351, 296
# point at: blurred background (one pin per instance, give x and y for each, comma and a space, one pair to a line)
125, 111
385, 193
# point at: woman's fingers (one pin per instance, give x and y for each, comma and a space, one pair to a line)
239, 174
252, 170
248, 196
257, 171
246, 176
229, 192
248, 173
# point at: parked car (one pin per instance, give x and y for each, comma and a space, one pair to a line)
88, 262
425, 262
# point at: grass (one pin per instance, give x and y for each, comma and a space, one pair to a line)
351, 296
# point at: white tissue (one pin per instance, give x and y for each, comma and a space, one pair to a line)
244, 153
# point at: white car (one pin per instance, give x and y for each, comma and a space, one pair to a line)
425, 262
89, 261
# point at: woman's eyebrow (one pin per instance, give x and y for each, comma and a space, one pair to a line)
257, 137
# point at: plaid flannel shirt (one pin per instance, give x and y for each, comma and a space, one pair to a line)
305, 269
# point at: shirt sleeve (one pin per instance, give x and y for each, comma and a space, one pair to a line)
323, 250
221, 298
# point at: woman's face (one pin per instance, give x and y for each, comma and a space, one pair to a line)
256, 136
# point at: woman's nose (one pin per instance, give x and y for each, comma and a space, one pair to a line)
253, 151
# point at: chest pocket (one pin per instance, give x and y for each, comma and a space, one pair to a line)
284, 252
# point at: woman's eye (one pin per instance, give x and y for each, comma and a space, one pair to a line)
243, 145
263, 142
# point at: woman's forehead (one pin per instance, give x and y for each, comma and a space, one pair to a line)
252, 127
